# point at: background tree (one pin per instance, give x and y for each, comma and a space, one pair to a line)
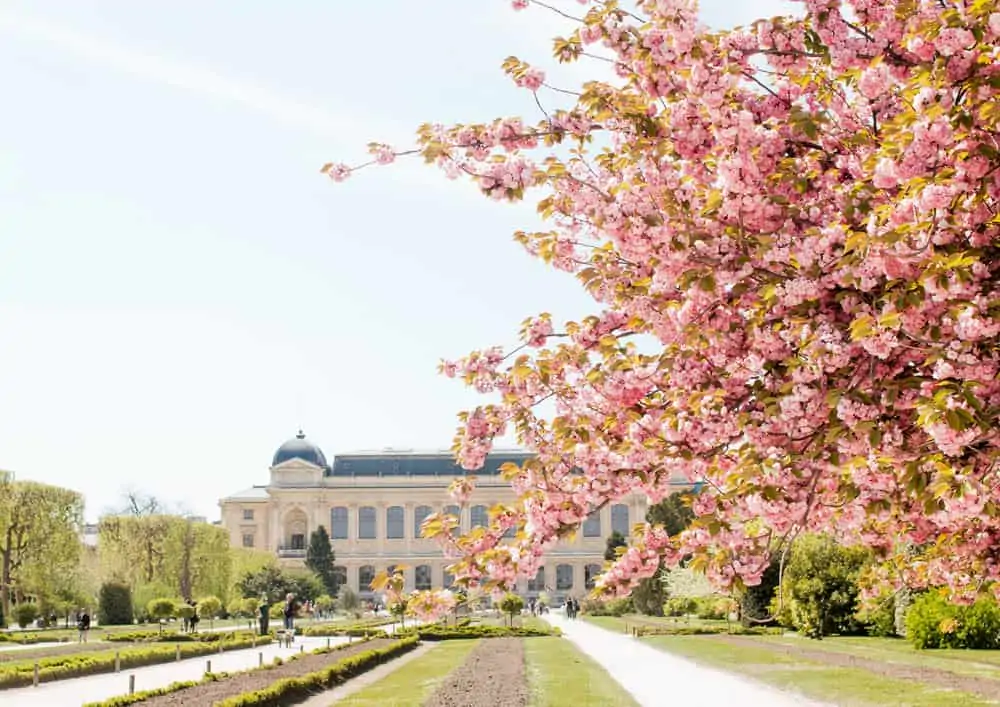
321, 559
39, 535
209, 608
114, 604
615, 541
163, 608
512, 605
348, 601
269, 581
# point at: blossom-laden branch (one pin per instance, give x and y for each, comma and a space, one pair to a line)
800, 220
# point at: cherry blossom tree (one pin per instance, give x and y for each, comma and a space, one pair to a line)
790, 232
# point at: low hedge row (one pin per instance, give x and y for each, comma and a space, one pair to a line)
289, 690
360, 629
26, 639
447, 633
734, 630
177, 636
125, 700
74, 665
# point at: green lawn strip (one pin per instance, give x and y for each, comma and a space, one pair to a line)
413, 683
559, 675
822, 682
984, 664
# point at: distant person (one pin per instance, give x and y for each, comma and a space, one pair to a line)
265, 616
82, 625
193, 621
290, 612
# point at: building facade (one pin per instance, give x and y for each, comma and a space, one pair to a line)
373, 503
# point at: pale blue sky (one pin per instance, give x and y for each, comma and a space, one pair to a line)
180, 289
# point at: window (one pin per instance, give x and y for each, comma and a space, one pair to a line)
619, 519
419, 516
449, 580
457, 512
592, 526
423, 577
538, 583
248, 540
247, 514
479, 517
338, 523
298, 541
339, 577
564, 577
366, 523
366, 575
590, 573
395, 522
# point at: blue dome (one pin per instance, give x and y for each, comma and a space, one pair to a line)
300, 448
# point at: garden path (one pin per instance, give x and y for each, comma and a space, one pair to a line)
78, 691
656, 678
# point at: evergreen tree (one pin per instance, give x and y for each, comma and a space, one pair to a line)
320, 559
615, 541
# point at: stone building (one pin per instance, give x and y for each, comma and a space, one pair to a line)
373, 503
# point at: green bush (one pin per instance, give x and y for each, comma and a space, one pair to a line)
614, 607
713, 608
25, 613
512, 605
880, 619
290, 690
446, 633
114, 604
177, 637
680, 606
18, 673
933, 622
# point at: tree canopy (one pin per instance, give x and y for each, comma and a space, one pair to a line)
320, 559
790, 231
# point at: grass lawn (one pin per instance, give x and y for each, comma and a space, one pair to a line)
839, 685
411, 684
561, 676
620, 623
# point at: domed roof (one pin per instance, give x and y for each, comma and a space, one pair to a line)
299, 448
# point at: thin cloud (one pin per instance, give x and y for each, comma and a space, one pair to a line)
189, 77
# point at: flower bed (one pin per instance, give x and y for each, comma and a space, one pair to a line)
21, 672
446, 633
276, 684
492, 676
178, 637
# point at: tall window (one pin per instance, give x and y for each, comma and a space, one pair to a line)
395, 522
423, 577
455, 511
620, 520
537, 584
366, 523
479, 517
339, 576
420, 514
248, 540
592, 526
338, 523
247, 514
366, 575
298, 541
590, 573
564, 577
449, 579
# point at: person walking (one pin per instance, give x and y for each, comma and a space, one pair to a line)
290, 612
82, 625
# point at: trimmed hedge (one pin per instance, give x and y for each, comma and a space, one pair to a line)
20, 673
125, 700
178, 637
448, 633
27, 639
286, 691
356, 629
735, 629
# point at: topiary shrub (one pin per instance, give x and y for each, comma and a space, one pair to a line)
614, 607
25, 614
114, 604
680, 606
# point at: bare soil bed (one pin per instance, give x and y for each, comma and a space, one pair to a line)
985, 687
492, 676
237, 683
65, 649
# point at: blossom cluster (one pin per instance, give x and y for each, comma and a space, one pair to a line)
793, 232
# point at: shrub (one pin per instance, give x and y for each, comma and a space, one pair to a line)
277, 611
177, 637
114, 604
209, 607
512, 605
446, 633
933, 622
614, 607
680, 606
880, 618
162, 608
25, 613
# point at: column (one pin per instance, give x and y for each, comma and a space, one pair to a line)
579, 579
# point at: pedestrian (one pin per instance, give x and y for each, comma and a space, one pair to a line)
82, 625
193, 621
265, 615
290, 612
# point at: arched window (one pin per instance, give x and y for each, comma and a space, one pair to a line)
338, 523
538, 583
395, 522
479, 517
592, 526
457, 512
564, 577
366, 523
423, 577
420, 514
339, 577
366, 575
590, 573
620, 519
